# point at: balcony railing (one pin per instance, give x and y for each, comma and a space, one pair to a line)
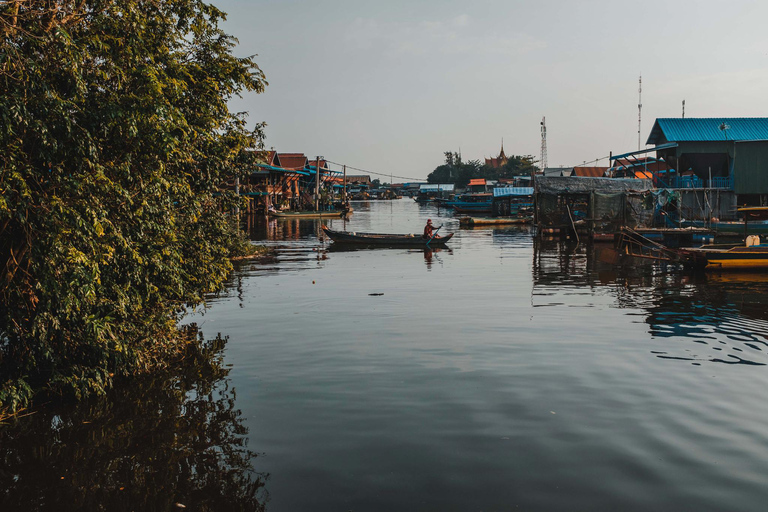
696, 182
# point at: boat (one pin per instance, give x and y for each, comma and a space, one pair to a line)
318, 214
727, 257
385, 239
755, 223
494, 221
472, 203
730, 227
750, 255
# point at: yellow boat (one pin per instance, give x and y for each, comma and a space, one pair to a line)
713, 257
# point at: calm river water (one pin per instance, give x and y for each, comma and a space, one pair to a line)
504, 373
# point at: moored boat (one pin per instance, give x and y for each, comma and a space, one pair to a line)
719, 257
386, 239
494, 221
311, 214
755, 222
752, 255
473, 203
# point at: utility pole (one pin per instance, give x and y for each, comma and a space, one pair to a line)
543, 160
639, 110
683, 109
317, 183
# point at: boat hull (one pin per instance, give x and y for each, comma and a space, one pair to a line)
737, 258
495, 221
311, 214
383, 239
470, 208
731, 228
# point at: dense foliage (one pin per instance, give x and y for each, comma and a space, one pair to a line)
116, 137
454, 170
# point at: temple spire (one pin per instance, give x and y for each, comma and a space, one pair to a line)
502, 155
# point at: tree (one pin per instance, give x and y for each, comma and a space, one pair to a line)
116, 137
454, 170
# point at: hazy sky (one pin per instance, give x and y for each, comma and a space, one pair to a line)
390, 85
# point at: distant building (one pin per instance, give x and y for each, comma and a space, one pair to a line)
589, 172
359, 179
499, 161
293, 161
557, 171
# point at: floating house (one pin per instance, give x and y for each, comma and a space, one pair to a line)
287, 180
714, 164
592, 205
512, 201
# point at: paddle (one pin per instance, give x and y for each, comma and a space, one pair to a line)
434, 234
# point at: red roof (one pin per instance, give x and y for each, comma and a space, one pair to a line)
495, 163
590, 172
477, 181
272, 159
292, 160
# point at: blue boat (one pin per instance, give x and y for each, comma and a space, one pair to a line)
481, 202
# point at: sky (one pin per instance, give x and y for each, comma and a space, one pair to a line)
389, 86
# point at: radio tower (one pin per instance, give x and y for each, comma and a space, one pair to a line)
639, 110
543, 160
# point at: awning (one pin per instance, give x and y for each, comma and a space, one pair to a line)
643, 151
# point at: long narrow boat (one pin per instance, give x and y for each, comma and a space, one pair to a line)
494, 221
311, 214
350, 237
713, 257
755, 222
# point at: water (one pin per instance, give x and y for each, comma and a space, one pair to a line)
503, 373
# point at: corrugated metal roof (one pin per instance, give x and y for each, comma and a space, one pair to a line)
590, 172
446, 187
709, 129
512, 191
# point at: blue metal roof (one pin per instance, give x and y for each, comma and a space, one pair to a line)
709, 129
512, 191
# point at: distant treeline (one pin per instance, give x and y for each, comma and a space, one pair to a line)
454, 170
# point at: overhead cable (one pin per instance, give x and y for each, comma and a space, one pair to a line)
377, 173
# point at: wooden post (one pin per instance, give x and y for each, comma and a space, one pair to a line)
317, 183
344, 190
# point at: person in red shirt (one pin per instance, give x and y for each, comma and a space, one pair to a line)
429, 231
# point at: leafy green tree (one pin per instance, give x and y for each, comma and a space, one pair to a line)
454, 170
116, 137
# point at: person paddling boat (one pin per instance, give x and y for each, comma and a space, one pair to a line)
429, 231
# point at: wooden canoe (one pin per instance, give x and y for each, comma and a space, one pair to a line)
350, 237
494, 221
311, 214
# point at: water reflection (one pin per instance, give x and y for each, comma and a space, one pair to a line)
705, 318
178, 439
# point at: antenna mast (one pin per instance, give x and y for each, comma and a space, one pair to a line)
543, 143
683, 109
639, 110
